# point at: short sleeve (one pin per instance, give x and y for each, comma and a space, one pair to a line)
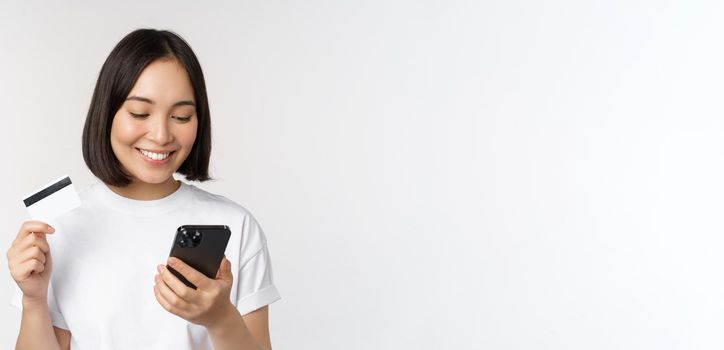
256, 282
55, 315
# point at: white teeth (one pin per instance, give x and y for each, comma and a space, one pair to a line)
155, 156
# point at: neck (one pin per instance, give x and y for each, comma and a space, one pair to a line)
142, 191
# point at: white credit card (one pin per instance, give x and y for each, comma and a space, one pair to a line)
52, 200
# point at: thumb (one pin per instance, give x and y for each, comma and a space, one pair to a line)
225, 270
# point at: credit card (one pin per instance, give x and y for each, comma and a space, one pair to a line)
52, 200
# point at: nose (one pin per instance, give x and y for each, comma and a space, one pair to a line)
159, 131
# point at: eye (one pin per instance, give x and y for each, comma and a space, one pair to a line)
182, 119
138, 116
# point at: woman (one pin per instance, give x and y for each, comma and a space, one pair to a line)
109, 288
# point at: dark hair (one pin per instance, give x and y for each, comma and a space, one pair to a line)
119, 73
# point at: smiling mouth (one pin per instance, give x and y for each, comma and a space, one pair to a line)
155, 156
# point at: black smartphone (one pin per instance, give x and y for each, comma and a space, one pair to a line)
201, 247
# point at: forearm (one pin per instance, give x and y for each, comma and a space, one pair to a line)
36, 328
231, 333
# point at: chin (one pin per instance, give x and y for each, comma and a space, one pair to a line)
153, 179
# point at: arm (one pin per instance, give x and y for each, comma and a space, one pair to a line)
63, 336
36, 328
30, 265
248, 332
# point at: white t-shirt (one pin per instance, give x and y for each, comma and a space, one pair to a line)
105, 255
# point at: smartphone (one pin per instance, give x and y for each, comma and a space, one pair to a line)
201, 247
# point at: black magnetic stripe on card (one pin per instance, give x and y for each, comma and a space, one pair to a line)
44, 193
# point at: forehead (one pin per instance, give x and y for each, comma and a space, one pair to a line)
165, 82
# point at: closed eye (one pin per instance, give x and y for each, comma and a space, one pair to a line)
182, 119
139, 116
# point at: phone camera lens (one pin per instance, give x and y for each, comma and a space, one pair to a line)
196, 239
189, 239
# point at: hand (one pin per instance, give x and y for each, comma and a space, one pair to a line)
205, 305
29, 260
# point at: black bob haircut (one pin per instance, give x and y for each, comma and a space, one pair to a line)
119, 73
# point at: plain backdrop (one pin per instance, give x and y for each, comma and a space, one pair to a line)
430, 174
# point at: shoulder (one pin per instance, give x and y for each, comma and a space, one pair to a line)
223, 205
251, 233
216, 201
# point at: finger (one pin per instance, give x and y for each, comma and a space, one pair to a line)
224, 272
25, 269
31, 253
179, 288
164, 303
35, 239
191, 274
173, 303
28, 242
33, 226
36, 226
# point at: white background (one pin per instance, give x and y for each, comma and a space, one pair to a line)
430, 174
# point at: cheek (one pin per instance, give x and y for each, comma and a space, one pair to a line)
186, 136
124, 133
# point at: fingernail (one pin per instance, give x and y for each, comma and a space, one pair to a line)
159, 268
172, 262
51, 229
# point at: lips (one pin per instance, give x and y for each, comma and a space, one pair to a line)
157, 156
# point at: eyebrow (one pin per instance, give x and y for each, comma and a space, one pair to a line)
148, 100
